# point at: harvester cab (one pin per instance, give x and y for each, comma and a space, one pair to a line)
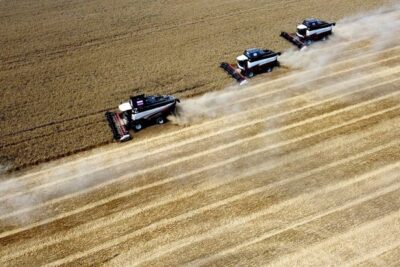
309, 31
138, 112
251, 62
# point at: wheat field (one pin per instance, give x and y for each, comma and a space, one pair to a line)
300, 169
64, 63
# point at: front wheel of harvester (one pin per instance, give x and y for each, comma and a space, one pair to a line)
249, 74
160, 120
137, 126
269, 69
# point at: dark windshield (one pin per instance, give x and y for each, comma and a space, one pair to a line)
302, 32
242, 63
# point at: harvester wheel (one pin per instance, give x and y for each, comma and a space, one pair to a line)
249, 74
160, 120
137, 126
269, 69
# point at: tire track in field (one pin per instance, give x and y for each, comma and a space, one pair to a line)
187, 232
249, 218
387, 130
361, 234
297, 238
357, 201
205, 228
373, 256
118, 217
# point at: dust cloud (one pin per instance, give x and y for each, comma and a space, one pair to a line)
83, 169
379, 29
376, 30
209, 105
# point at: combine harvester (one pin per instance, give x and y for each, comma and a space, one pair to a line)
251, 62
309, 31
138, 112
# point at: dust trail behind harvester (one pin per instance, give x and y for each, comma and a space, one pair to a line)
236, 178
376, 30
209, 105
380, 29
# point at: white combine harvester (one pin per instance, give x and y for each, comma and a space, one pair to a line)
142, 110
251, 62
309, 31
138, 112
